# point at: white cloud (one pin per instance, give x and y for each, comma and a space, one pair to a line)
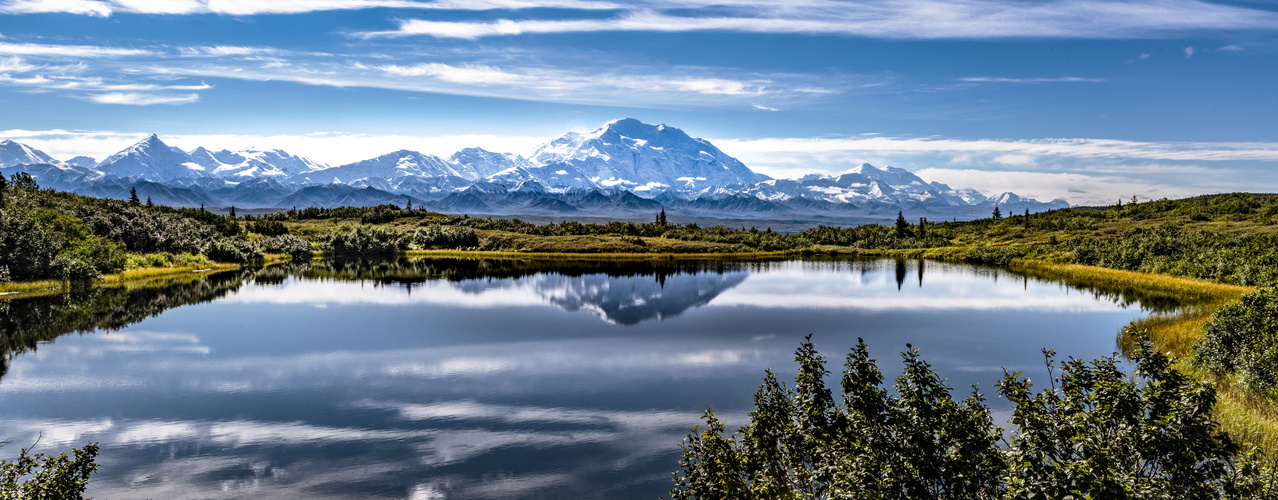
15, 64
81, 7
584, 83
893, 19
229, 50
1078, 188
1189, 52
1064, 79
36, 49
801, 149
142, 98
1230, 48
105, 8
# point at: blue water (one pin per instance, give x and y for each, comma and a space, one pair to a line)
463, 380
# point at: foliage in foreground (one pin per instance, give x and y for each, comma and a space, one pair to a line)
1097, 432
1242, 339
40, 477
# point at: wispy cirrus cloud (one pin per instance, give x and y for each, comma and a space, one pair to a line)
106, 8
142, 99
74, 80
633, 85
46, 68
891, 19
1061, 79
77, 51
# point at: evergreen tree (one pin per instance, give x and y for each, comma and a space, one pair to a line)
232, 211
3, 184
922, 227
148, 202
410, 204
661, 217
902, 226
133, 196
997, 214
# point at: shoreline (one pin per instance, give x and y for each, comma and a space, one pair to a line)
1248, 418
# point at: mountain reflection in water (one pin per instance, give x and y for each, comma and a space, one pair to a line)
471, 378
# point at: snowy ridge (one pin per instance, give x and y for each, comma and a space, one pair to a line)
623, 167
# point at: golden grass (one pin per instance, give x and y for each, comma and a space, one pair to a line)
1187, 289
24, 289
14, 288
1248, 418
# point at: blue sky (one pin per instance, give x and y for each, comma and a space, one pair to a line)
1087, 100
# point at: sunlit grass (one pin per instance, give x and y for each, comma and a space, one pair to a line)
1248, 418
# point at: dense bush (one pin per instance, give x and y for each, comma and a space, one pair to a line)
51, 235
267, 227
346, 240
380, 214
1097, 432
232, 250
1247, 259
294, 246
1242, 339
440, 237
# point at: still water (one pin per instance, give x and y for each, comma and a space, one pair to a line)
433, 379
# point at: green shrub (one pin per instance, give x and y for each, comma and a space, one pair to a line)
1242, 339
267, 227
360, 240
445, 237
232, 250
380, 214
1097, 432
40, 477
294, 246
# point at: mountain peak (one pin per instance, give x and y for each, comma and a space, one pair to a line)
865, 169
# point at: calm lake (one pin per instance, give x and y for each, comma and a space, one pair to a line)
434, 379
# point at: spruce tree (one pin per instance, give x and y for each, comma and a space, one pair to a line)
148, 202
661, 217
133, 196
997, 214
232, 211
922, 227
902, 226
3, 184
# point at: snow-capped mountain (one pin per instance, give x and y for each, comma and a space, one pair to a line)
623, 168
153, 160
484, 163
16, 153
254, 164
631, 154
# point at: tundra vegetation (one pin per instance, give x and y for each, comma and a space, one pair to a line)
1224, 335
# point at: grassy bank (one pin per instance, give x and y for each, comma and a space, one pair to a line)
129, 277
1248, 418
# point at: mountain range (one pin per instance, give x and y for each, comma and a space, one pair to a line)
625, 168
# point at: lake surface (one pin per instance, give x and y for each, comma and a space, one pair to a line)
433, 379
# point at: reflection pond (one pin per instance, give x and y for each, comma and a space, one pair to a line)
431, 379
